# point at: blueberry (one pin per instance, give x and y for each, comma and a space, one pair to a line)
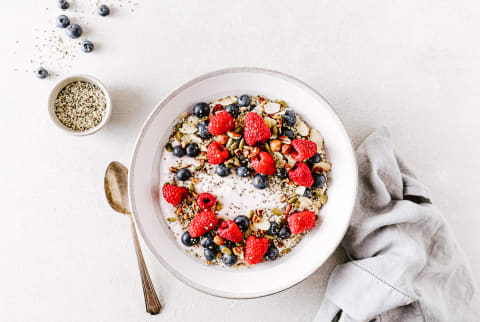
63, 4
63, 21
288, 133
252, 107
308, 193
272, 253
242, 222
284, 232
103, 10
233, 110
209, 254
319, 180
282, 173
316, 158
74, 31
229, 260
87, 46
289, 118
274, 228
244, 100
41, 73
178, 151
206, 241
243, 172
192, 150
188, 240
201, 110
222, 170
260, 181
183, 174
203, 130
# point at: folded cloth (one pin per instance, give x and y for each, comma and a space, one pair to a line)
405, 263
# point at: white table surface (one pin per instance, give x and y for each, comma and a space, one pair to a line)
410, 65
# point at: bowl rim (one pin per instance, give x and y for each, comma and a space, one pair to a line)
142, 133
59, 85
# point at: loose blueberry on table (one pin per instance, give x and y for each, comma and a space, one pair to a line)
74, 31
63, 21
273, 152
103, 10
87, 46
41, 73
63, 4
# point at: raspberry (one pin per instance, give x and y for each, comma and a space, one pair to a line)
303, 149
255, 249
256, 131
264, 165
221, 123
301, 175
301, 221
203, 222
173, 194
229, 230
216, 153
206, 201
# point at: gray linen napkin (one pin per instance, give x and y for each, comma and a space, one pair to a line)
405, 263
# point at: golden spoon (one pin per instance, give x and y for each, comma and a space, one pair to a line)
116, 190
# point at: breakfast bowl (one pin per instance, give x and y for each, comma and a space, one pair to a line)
93, 92
268, 277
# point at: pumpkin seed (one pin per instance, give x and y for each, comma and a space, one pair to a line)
171, 219
277, 116
226, 251
292, 200
282, 102
323, 199
270, 237
219, 206
276, 212
238, 130
191, 187
178, 136
242, 142
169, 147
204, 119
267, 147
198, 167
297, 204
236, 162
233, 146
285, 251
275, 131
250, 215
229, 143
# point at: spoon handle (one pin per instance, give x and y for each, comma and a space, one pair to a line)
152, 303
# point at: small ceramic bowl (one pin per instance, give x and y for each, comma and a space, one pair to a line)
64, 82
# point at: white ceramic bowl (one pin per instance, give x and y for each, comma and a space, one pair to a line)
265, 278
64, 82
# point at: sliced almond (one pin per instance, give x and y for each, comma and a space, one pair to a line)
317, 137
302, 128
234, 135
300, 190
188, 128
325, 166
228, 100
271, 108
305, 203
